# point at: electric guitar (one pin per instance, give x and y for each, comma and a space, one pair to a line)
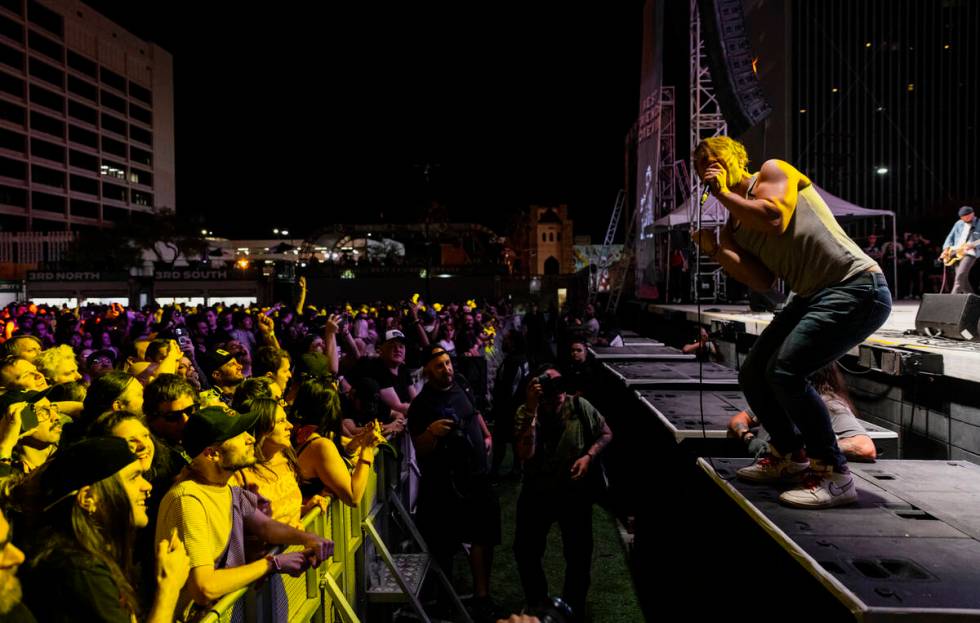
951, 256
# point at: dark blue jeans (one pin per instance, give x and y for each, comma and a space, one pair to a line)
807, 335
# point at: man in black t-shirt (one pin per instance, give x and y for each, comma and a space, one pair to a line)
456, 503
390, 372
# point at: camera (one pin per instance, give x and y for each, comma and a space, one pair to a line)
555, 610
550, 386
449, 413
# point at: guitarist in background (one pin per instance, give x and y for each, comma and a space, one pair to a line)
958, 250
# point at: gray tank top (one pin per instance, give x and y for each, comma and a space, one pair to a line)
813, 252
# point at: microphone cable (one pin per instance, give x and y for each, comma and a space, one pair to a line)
697, 299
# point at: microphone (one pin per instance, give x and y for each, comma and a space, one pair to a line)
704, 195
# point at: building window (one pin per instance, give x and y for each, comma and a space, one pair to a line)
140, 93
113, 169
13, 196
140, 156
139, 134
82, 184
83, 136
45, 18
111, 214
552, 266
83, 89
47, 203
141, 114
49, 125
114, 147
142, 199
14, 169
83, 65
113, 124
42, 70
111, 191
48, 151
10, 112
12, 141
47, 98
84, 161
85, 209
48, 177
11, 57
114, 102
12, 85
112, 79
140, 177
11, 29
82, 112
45, 46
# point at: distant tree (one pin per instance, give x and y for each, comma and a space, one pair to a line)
122, 246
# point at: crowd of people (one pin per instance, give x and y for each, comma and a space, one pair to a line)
145, 453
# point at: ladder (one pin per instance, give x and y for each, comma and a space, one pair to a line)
618, 282
602, 262
402, 576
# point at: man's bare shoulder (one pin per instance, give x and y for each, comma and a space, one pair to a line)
778, 170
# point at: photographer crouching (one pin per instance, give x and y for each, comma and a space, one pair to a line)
559, 439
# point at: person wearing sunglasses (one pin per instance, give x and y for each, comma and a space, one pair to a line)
168, 402
32, 427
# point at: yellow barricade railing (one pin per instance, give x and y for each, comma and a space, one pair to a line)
324, 595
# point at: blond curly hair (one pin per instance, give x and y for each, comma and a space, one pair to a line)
50, 360
729, 151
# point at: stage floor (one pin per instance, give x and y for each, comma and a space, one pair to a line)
906, 551
961, 360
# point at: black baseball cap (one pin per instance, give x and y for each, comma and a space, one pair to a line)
213, 425
82, 464
432, 352
214, 359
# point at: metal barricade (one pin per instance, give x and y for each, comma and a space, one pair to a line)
323, 595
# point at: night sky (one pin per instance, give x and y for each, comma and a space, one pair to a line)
298, 118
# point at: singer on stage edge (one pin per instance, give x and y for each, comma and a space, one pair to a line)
780, 227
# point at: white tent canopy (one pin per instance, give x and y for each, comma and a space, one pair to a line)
713, 214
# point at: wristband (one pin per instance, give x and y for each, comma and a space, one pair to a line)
275, 564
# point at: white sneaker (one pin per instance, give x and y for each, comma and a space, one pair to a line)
822, 487
774, 467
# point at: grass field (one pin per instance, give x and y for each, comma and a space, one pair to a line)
611, 597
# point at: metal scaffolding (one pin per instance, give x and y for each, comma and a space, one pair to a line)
707, 120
